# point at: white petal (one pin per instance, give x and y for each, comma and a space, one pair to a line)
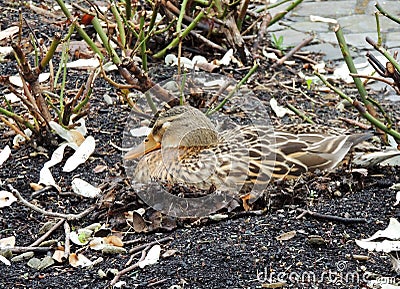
4, 154
80, 156
6, 199
84, 189
152, 256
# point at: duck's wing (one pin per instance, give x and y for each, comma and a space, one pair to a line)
317, 151
253, 157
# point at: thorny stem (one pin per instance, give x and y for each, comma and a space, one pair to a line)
384, 52
350, 64
153, 17
120, 25
357, 105
81, 32
271, 6
105, 41
180, 18
17, 118
50, 53
143, 42
64, 61
378, 28
128, 8
384, 13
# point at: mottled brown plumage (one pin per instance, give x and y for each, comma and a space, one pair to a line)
184, 147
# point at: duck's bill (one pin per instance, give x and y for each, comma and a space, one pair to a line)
150, 144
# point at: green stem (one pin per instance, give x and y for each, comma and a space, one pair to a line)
282, 14
384, 52
242, 14
128, 9
150, 102
142, 41
181, 15
382, 111
377, 123
350, 64
120, 25
179, 37
104, 39
378, 28
384, 13
81, 32
153, 17
232, 93
64, 61
17, 118
35, 48
300, 113
50, 53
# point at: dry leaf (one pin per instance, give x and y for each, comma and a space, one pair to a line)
114, 240
286, 236
71, 136
397, 199
84, 64
226, 59
391, 236
314, 18
169, 253
35, 186
139, 225
17, 81
97, 243
58, 255
79, 260
392, 231
100, 169
5, 260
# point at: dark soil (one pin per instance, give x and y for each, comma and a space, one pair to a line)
239, 251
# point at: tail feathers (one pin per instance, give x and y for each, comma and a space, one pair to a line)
329, 152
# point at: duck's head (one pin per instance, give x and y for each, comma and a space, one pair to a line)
180, 126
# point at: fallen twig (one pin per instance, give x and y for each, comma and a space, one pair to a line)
293, 51
128, 269
141, 247
67, 248
157, 282
355, 123
19, 250
50, 214
299, 113
266, 18
45, 235
329, 217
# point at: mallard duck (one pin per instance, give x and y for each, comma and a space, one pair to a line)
184, 147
